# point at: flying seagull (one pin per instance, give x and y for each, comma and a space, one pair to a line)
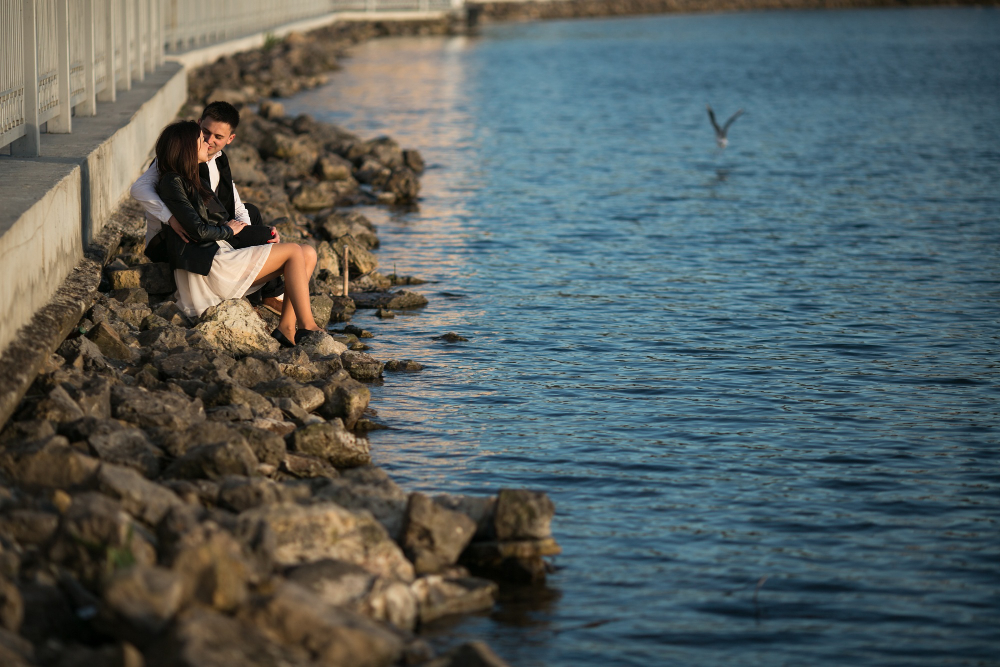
720, 132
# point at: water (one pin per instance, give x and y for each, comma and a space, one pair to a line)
761, 383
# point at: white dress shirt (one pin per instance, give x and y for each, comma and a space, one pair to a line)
157, 213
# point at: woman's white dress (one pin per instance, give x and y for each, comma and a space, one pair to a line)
232, 275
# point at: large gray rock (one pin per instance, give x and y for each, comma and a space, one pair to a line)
195, 364
50, 462
361, 366
320, 343
369, 488
235, 327
230, 393
344, 398
213, 571
215, 461
57, 406
128, 447
359, 260
434, 537
28, 526
332, 635
161, 409
324, 530
439, 596
267, 446
201, 637
155, 278
404, 184
308, 397
252, 371
336, 224
332, 442
523, 515
138, 496
140, 601
480, 509
110, 344
240, 493
97, 537
399, 300
317, 196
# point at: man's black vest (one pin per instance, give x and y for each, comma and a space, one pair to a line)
225, 190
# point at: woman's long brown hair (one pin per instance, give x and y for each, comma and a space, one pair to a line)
177, 151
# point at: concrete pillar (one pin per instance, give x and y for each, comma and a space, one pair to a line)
109, 94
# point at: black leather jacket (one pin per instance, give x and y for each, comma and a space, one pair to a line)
204, 225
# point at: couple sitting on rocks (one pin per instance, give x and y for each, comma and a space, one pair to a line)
217, 246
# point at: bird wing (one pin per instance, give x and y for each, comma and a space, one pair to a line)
711, 117
725, 128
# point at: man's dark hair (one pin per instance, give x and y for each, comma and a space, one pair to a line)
224, 112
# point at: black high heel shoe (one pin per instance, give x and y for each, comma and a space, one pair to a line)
282, 338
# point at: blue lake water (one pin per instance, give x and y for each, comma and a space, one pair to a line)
760, 384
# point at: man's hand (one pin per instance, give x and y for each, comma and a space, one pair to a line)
176, 226
275, 238
236, 226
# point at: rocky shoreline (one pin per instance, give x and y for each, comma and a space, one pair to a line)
533, 10
177, 492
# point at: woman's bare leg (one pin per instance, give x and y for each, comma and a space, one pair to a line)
289, 259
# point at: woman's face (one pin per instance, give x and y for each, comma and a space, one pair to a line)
202, 149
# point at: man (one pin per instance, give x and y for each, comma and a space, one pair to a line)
218, 125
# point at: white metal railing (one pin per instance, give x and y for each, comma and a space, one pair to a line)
73, 53
189, 24
58, 57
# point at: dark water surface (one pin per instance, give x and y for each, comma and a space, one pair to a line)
777, 360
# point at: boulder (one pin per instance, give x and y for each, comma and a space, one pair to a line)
480, 509
308, 397
154, 278
343, 309
201, 637
336, 224
97, 537
369, 488
27, 527
268, 446
325, 530
213, 572
215, 461
359, 260
326, 260
50, 462
127, 447
439, 596
195, 364
407, 365
403, 183
163, 409
240, 493
322, 307
11, 607
385, 150
344, 398
230, 393
320, 343
399, 300
325, 194
234, 326
332, 167
110, 344
332, 635
332, 442
140, 601
523, 515
57, 406
361, 366
138, 496
413, 160
252, 371
433, 537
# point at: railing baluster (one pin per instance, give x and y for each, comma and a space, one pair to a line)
30, 144
88, 107
109, 94
62, 123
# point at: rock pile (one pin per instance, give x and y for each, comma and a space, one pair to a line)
178, 492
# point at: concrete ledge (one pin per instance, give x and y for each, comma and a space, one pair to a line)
57, 204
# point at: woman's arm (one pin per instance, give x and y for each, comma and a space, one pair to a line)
175, 196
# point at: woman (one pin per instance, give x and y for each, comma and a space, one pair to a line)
209, 270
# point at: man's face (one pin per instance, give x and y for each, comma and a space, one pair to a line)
217, 134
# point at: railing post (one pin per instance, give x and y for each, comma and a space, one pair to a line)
126, 32
63, 122
30, 144
88, 107
109, 94
138, 72
150, 35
